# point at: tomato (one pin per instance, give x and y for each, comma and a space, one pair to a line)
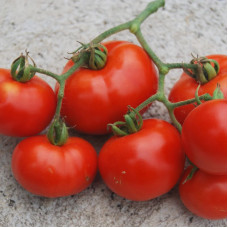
25, 108
95, 98
143, 165
204, 194
186, 86
54, 171
204, 136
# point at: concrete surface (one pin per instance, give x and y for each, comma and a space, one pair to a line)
49, 29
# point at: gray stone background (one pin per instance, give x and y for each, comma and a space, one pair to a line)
49, 29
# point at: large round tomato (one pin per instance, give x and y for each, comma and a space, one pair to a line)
143, 165
25, 108
204, 194
186, 86
54, 171
95, 98
204, 136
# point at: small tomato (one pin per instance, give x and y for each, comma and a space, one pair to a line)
25, 108
143, 165
204, 136
95, 98
204, 194
54, 171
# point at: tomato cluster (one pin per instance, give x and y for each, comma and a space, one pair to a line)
145, 163
204, 138
92, 100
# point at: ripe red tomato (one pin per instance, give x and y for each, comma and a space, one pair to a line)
95, 98
54, 171
186, 86
25, 108
204, 136
143, 165
204, 194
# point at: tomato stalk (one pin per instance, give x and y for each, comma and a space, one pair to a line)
134, 24
57, 133
81, 58
160, 96
134, 27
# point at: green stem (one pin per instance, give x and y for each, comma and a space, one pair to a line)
64, 76
204, 97
149, 51
78, 64
60, 136
60, 98
62, 82
42, 71
134, 27
181, 65
151, 8
146, 102
111, 31
173, 118
162, 67
163, 99
160, 96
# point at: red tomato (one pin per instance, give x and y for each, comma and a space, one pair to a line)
204, 194
54, 171
204, 136
25, 108
186, 86
143, 165
95, 98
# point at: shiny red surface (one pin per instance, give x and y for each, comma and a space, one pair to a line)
95, 98
204, 194
186, 86
54, 171
25, 108
143, 165
204, 136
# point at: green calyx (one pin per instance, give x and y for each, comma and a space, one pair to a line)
57, 133
191, 174
97, 55
218, 94
205, 70
20, 68
132, 124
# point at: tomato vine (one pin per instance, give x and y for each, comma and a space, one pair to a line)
82, 59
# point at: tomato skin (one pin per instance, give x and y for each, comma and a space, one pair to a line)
204, 136
25, 108
95, 98
204, 194
186, 86
143, 165
54, 171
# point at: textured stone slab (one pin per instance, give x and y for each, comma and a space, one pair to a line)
50, 29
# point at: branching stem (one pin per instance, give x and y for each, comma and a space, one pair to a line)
134, 27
